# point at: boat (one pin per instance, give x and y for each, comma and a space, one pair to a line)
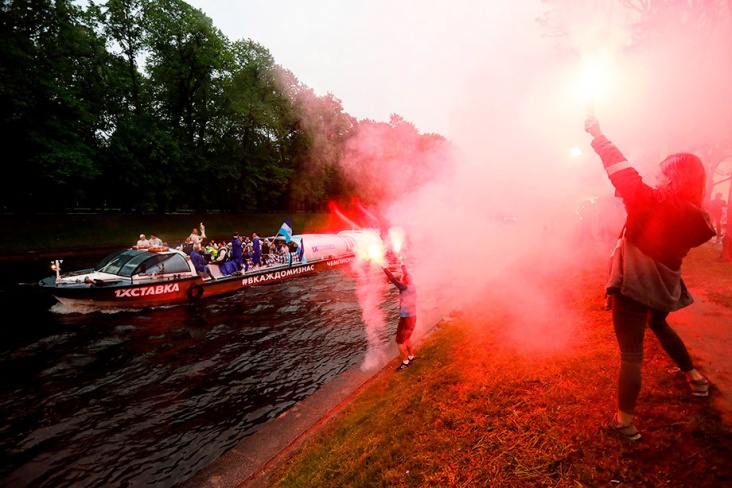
149, 277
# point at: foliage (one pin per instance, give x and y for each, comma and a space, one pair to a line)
51, 102
144, 106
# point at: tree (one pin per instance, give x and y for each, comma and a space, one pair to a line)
384, 161
124, 28
322, 129
142, 105
253, 141
53, 98
186, 60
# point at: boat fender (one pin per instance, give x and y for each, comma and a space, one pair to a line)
194, 292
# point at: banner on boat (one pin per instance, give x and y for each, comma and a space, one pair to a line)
277, 275
147, 290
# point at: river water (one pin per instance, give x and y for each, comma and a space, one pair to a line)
150, 397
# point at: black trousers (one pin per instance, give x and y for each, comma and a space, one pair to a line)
629, 321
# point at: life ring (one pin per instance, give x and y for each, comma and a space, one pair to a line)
194, 292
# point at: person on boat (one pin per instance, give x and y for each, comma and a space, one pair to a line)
155, 241
220, 257
187, 246
256, 250
265, 252
195, 237
407, 315
222, 249
223, 260
199, 262
281, 256
212, 251
142, 242
237, 251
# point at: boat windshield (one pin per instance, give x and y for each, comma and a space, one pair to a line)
132, 262
107, 259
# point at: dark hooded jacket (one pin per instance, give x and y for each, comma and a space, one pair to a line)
662, 226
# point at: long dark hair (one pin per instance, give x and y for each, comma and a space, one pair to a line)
687, 177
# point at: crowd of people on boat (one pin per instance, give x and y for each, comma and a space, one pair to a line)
154, 242
241, 254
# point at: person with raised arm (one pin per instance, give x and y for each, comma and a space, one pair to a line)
407, 315
663, 223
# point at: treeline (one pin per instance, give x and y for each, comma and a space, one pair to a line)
144, 106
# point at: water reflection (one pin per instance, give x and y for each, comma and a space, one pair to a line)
151, 397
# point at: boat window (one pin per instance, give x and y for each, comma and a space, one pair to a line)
113, 263
164, 264
156, 263
133, 262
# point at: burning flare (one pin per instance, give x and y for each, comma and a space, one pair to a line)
396, 237
592, 83
372, 251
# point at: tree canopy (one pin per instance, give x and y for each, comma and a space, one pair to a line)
145, 106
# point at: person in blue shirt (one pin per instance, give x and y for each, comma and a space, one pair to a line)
407, 315
237, 252
256, 250
199, 262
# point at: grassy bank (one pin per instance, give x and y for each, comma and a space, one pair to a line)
481, 406
79, 231
704, 271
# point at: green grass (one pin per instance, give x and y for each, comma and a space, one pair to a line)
481, 408
705, 271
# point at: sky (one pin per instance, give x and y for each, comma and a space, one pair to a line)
481, 73
378, 57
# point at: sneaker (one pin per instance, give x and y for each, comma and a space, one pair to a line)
411, 358
626, 431
699, 388
403, 366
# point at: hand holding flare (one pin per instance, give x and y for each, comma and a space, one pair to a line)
592, 126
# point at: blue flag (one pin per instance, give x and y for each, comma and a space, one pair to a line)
301, 251
286, 230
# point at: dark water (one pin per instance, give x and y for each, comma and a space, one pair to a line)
150, 397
